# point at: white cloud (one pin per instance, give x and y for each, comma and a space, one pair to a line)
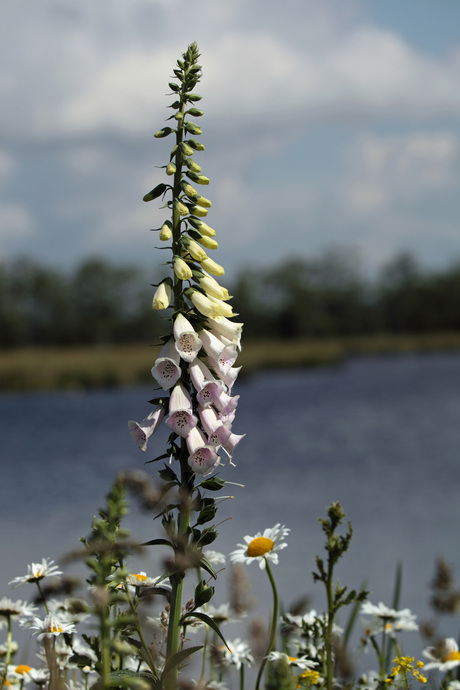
401, 168
105, 69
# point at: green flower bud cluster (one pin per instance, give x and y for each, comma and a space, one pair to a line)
189, 235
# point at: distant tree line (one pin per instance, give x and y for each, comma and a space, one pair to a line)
99, 302
329, 296
96, 303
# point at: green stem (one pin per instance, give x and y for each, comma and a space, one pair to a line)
177, 580
42, 596
274, 622
330, 625
242, 677
105, 647
149, 657
8, 652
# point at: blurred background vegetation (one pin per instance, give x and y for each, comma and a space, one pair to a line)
94, 326
101, 303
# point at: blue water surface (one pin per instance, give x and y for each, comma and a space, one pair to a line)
379, 434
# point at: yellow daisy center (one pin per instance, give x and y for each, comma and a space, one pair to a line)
451, 656
259, 547
22, 668
55, 629
140, 578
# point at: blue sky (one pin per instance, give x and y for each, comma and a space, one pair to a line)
328, 123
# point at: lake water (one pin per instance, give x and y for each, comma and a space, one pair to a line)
381, 435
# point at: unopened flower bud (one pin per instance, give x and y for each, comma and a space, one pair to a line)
192, 128
162, 296
188, 189
203, 227
194, 97
197, 145
202, 201
163, 132
156, 192
182, 269
181, 208
166, 231
186, 149
199, 179
194, 249
179, 116
170, 169
198, 210
212, 267
195, 112
191, 165
212, 288
207, 242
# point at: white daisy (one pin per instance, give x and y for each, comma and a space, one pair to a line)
39, 676
14, 609
20, 672
444, 656
237, 653
214, 557
388, 620
140, 580
13, 648
261, 547
36, 572
301, 662
51, 626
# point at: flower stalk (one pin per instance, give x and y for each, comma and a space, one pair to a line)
196, 445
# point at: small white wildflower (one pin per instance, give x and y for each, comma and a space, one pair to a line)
36, 572
261, 547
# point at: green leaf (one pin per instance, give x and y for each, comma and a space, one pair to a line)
213, 484
158, 542
178, 658
397, 587
205, 564
206, 619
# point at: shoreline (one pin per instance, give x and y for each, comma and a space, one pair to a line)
108, 366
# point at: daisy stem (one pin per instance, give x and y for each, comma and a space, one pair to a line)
242, 677
272, 638
330, 624
148, 653
8, 652
383, 652
42, 596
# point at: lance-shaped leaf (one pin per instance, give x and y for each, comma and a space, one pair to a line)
206, 619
